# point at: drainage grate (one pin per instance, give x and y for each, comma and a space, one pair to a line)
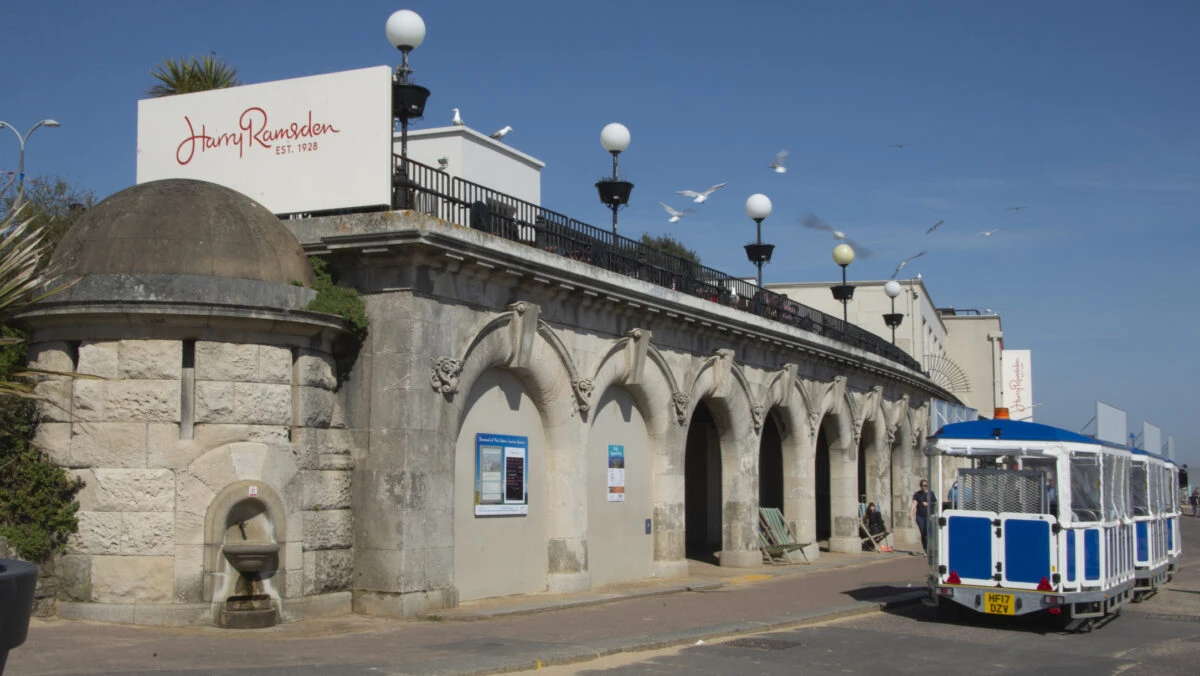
762, 643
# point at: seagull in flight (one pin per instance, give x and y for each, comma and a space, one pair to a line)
777, 164
675, 213
501, 133
905, 262
814, 222
896, 145
701, 196
989, 233
457, 121
1015, 208
935, 227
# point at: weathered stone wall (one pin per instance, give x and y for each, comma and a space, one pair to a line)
261, 413
447, 305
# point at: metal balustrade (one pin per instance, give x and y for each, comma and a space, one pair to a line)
459, 201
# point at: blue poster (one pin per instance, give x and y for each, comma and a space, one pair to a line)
616, 473
501, 475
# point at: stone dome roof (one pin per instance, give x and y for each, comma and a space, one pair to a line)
182, 227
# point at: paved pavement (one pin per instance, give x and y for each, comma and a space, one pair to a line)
513, 633
527, 632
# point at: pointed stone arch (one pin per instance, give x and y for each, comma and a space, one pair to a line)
727, 395
875, 482
519, 342
785, 401
635, 364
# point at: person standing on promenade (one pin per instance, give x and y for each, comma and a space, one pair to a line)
919, 511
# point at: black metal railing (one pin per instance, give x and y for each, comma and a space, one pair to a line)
478, 207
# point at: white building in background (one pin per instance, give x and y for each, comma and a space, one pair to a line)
960, 349
467, 154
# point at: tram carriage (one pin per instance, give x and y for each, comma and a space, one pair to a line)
1041, 519
1155, 516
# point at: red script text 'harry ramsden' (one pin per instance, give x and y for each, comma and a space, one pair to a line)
254, 131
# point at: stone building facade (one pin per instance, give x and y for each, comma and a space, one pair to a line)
209, 414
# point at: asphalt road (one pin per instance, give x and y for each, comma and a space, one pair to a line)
911, 641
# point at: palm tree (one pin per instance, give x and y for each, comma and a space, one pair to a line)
22, 246
184, 76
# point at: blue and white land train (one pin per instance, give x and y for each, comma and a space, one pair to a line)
1038, 518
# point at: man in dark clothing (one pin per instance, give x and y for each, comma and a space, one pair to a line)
920, 509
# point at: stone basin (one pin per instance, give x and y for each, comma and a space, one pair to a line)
252, 557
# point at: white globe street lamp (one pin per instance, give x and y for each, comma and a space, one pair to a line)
758, 207
614, 193
843, 255
405, 29
893, 319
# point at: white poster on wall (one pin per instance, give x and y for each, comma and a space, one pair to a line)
302, 145
1018, 384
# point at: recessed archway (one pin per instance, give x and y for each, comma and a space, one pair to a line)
822, 487
770, 465
702, 487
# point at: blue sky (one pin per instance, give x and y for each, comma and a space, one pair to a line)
1084, 111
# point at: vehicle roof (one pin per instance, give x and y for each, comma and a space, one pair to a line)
1015, 430
1019, 430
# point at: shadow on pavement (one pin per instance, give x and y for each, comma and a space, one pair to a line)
878, 592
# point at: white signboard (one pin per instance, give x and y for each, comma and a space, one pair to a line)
1018, 384
302, 145
1151, 438
1110, 424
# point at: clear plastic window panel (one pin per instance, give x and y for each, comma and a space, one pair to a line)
1002, 490
1126, 463
1085, 487
1162, 492
1109, 493
1155, 490
1139, 489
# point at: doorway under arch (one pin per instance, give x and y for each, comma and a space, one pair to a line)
824, 510
770, 465
702, 487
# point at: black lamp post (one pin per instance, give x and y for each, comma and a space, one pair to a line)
406, 31
758, 207
893, 319
614, 193
843, 255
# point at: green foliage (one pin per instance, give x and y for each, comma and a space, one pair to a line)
670, 245
52, 206
342, 301
37, 497
184, 76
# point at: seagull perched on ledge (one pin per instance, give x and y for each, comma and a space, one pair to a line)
457, 121
701, 196
501, 133
675, 213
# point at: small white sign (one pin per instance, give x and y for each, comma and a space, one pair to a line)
254, 491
